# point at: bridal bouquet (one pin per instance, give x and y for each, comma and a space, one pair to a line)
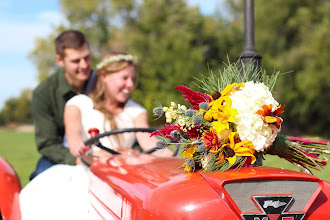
234, 121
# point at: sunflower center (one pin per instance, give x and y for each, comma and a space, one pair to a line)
216, 95
229, 152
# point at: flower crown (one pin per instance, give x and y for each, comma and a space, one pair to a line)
116, 58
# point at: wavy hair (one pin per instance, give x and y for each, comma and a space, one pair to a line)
98, 95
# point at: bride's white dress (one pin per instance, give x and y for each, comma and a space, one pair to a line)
61, 192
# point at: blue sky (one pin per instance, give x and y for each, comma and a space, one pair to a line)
21, 21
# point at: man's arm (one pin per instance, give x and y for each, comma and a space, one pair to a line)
48, 136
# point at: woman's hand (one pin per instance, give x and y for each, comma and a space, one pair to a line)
73, 130
87, 158
144, 139
127, 151
77, 147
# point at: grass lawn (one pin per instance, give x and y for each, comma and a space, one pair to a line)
275, 161
19, 149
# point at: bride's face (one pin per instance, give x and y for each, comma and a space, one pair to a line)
120, 84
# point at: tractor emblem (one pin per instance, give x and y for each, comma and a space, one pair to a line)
273, 208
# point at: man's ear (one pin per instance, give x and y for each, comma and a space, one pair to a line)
59, 60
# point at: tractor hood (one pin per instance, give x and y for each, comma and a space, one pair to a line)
148, 187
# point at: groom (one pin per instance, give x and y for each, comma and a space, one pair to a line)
49, 97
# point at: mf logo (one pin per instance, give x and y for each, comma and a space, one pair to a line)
273, 208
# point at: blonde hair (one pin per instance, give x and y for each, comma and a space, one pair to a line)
108, 65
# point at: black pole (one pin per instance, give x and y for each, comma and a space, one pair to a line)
249, 53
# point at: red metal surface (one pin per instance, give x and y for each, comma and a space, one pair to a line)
320, 209
10, 188
155, 190
147, 187
218, 180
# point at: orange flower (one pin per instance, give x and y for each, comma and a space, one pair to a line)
271, 117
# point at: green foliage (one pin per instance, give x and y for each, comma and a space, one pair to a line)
17, 109
297, 38
174, 43
294, 36
43, 57
236, 73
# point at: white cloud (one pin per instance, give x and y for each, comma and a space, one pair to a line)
20, 35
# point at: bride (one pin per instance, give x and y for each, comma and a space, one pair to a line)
61, 192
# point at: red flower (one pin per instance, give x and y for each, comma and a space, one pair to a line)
166, 131
247, 162
193, 97
212, 141
194, 132
304, 141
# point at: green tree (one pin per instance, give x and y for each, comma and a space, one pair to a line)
174, 44
172, 41
300, 42
17, 109
294, 35
43, 56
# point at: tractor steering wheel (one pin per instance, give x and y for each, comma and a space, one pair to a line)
95, 139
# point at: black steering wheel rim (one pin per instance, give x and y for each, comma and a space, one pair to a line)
92, 140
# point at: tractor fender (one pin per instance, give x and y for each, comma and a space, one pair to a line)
10, 188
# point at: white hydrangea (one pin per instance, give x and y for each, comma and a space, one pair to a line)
250, 126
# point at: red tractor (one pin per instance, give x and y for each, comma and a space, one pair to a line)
147, 187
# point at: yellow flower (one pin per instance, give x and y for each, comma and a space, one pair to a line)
219, 108
220, 159
240, 149
213, 110
170, 115
220, 125
230, 87
224, 118
187, 168
189, 152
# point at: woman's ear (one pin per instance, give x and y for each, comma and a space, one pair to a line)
102, 77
